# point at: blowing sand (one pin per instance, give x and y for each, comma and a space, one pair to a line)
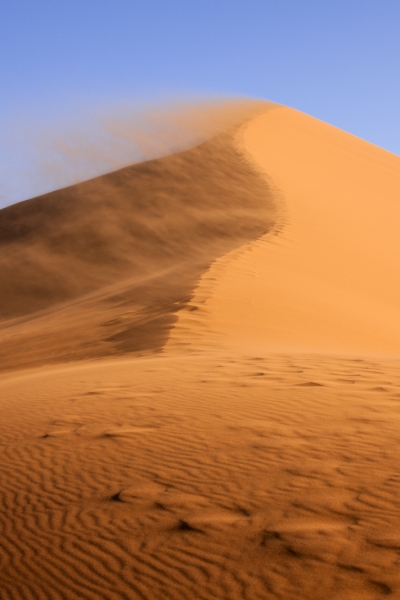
200, 394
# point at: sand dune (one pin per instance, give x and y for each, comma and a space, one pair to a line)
329, 281
101, 267
233, 431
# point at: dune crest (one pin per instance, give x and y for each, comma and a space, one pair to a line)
330, 280
101, 267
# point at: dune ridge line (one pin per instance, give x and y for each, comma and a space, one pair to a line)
122, 253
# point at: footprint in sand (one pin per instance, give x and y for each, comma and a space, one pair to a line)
141, 492
62, 427
124, 432
58, 433
197, 511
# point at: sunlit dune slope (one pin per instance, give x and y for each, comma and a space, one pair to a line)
102, 266
330, 279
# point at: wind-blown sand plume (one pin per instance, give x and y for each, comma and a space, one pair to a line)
128, 248
246, 445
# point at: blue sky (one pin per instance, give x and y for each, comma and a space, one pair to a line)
338, 61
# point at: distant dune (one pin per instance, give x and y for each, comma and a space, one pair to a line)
200, 388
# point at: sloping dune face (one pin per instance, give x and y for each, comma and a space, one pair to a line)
126, 249
330, 281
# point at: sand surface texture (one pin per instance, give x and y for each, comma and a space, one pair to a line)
200, 395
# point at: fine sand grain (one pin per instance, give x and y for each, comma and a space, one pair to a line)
227, 425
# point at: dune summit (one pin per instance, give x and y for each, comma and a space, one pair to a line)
200, 388
330, 281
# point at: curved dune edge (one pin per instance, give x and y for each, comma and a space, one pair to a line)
102, 268
330, 280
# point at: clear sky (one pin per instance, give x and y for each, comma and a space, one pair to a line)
336, 60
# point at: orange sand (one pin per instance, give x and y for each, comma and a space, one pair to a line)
227, 425
329, 279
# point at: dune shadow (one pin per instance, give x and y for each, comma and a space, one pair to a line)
102, 267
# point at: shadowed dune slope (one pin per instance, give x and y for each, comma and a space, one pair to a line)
126, 249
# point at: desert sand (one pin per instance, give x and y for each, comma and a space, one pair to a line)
200, 383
